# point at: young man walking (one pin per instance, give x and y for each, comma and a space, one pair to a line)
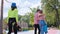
36, 22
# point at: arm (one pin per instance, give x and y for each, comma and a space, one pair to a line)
42, 16
38, 16
16, 15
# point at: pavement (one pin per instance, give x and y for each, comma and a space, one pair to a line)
50, 31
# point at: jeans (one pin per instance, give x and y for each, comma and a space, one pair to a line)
43, 27
11, 21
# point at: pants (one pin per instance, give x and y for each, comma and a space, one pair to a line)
37, 27
10, 25
43, 26
44, 29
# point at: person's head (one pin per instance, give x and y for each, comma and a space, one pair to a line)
39, 11
13, 6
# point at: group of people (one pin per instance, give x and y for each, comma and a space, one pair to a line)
39, 20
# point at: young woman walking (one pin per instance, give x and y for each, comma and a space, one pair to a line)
12, 18
42, 23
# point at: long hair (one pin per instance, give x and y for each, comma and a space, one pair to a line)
12, 8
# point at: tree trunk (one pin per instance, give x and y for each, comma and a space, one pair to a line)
57, 17
1, 22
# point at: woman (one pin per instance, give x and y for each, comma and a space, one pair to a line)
12, 18
42, 23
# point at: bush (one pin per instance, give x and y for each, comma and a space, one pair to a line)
59, 26
25, 29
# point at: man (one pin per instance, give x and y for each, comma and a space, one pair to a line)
36, 22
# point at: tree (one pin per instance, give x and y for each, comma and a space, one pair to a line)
51, 7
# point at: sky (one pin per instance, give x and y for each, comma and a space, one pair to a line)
22, 5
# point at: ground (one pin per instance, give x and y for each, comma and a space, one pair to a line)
50, 31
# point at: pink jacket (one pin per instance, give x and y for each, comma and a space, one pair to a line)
36, 18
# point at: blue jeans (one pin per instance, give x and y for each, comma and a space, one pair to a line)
43, 27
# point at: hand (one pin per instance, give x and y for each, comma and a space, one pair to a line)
16, 24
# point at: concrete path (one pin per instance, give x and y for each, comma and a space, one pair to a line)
50, 31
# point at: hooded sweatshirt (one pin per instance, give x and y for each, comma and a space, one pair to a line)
13, 14
36, 16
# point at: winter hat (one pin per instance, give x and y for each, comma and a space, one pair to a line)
13, 5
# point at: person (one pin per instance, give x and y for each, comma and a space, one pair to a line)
36, 23
42, 23
12, 18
